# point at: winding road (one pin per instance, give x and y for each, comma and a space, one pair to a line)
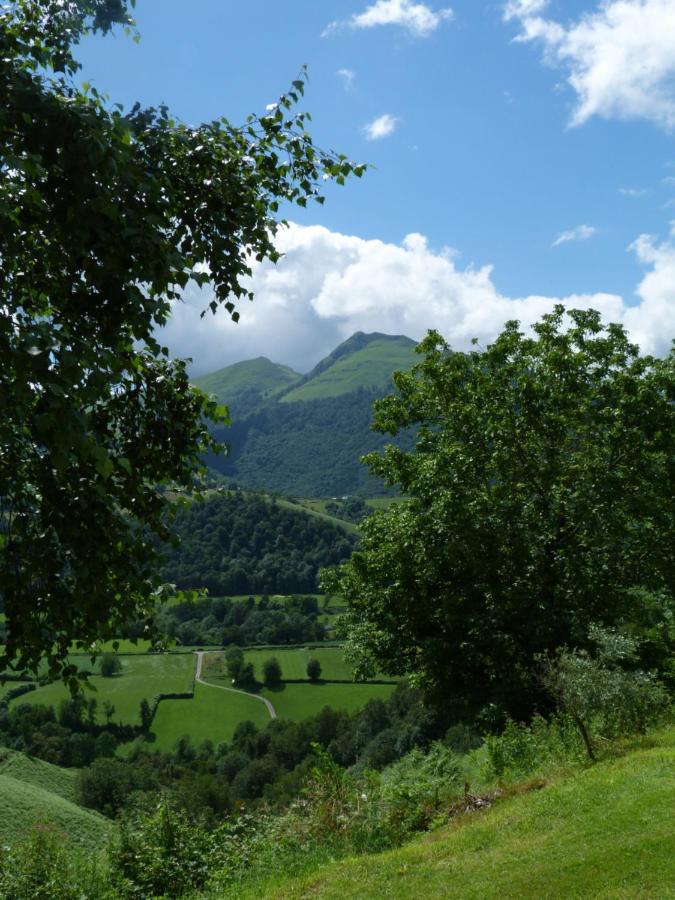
219, 687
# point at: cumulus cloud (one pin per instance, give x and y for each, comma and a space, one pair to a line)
329, 285
381, 127
580, 233
620, 58
348, 78
419, 19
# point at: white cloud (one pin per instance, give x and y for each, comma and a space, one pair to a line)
419, 19
633, 192
580, 233
348, 77
329, 285
620, 58
381, 127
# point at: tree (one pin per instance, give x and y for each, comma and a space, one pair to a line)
234, 661
599, 693
540, 499
108, 710
271, 672
106, 215
314, 670
110, 665
145, 714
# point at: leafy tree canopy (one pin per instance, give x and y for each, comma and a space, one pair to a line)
540, 493
105, 216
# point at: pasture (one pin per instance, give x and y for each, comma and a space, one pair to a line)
299, 701
212, 714
142, 677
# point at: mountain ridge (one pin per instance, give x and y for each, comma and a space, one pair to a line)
305, 435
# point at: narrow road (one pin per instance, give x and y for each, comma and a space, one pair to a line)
220, 687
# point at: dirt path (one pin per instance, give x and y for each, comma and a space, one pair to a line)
220, 687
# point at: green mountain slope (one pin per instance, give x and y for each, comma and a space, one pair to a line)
254, 375
35, 793
604, 832
364, 361
307, 438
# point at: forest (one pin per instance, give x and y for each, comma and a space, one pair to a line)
238, 543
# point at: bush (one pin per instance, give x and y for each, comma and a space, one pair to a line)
164, 854
314, 670
110, 665
272, 672
600, 695
42, 867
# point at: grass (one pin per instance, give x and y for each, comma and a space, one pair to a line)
294, 661
299, 701
212, 715
370, 367
603, 832
39, 773
142, 677
36, 794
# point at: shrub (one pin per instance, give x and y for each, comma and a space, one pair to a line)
110, 665
164, 854
42, 867
314, 670
601, 696
272, 672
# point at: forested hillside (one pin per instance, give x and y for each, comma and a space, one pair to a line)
306, 436
236, 543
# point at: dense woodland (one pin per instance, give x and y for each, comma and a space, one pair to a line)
220, 620
236, 543
307, 448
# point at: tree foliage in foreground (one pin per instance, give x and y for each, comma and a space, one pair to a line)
540, 502
105, 216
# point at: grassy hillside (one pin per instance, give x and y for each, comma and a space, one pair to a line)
364, 361
606, 831
259, 375
35, 793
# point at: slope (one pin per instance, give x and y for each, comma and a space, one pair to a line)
36, 794
254, 375
364, 361
604, 832
308, 439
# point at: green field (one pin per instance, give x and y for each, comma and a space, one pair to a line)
299, 701
369, 367
293, 662
35, 793
142, 677
603, 832
212, 715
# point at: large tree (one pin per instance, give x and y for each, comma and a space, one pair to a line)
105, 216
539, 501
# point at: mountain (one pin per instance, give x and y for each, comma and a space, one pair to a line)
304, 435
364, 361
254, 375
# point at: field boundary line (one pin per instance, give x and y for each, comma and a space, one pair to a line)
221, 687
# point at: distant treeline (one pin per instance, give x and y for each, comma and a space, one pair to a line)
220, 620
239, 544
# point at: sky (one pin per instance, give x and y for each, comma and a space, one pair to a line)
522, 153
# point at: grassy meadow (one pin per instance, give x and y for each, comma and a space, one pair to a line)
211, 715
142, 677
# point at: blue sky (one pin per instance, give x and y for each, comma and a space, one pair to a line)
512, 127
